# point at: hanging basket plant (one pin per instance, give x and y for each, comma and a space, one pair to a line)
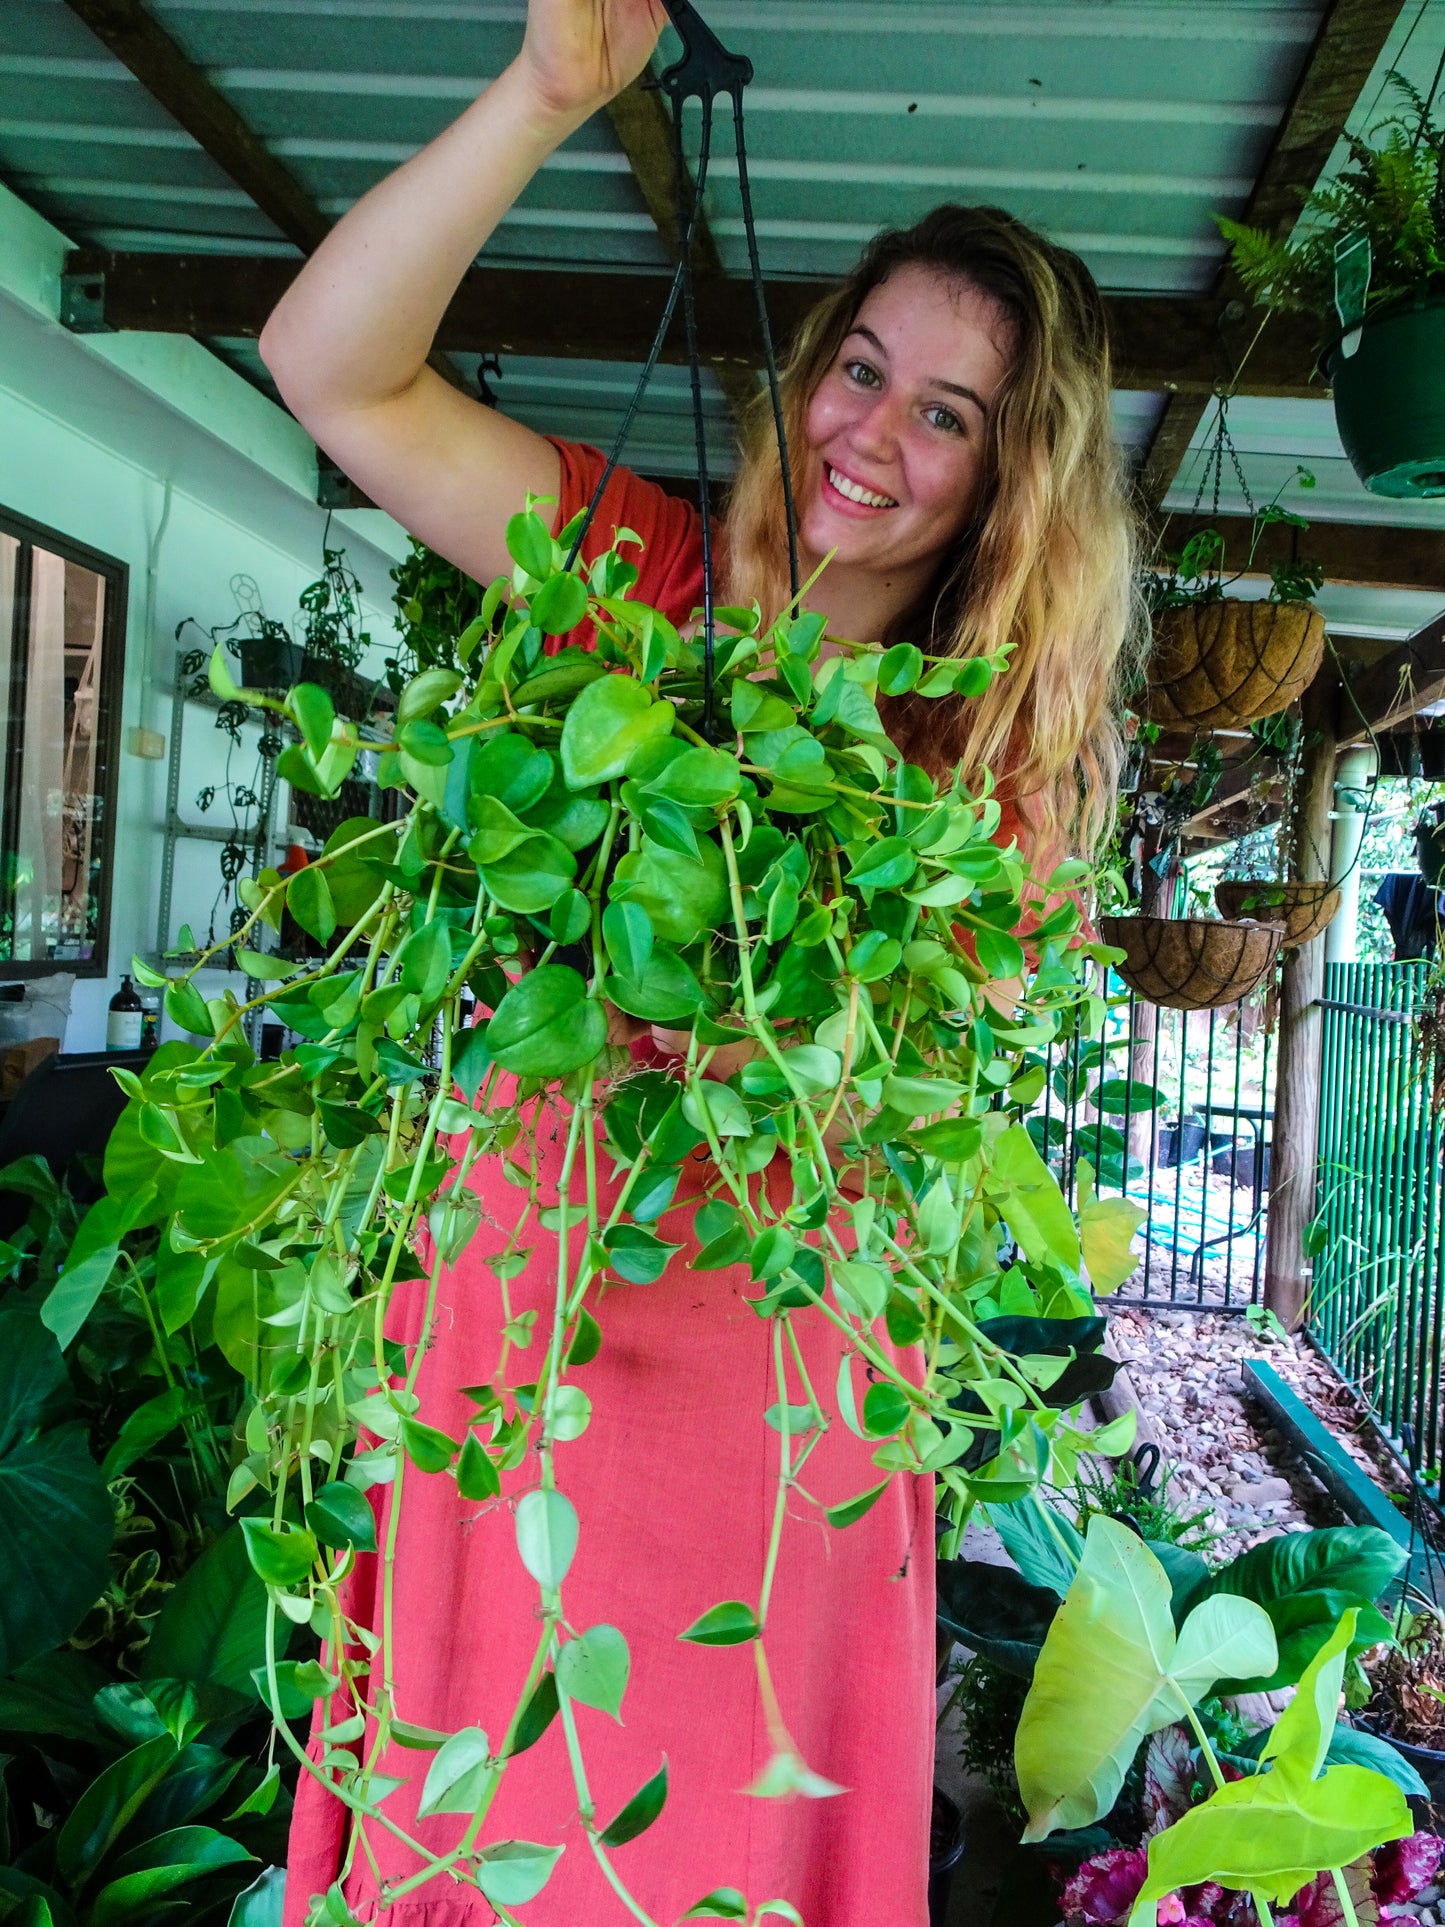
1192, 963
1370, 265
1218, 660
1305, 909
1219, 664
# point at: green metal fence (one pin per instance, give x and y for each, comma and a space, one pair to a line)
1379, 1269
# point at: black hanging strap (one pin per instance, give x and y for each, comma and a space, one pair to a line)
705, 70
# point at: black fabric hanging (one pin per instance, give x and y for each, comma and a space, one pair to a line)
705, 70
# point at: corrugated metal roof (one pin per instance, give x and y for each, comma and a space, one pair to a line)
1118, 128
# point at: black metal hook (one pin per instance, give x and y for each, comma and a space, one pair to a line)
706, 68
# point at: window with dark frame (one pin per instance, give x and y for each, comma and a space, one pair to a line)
62, 650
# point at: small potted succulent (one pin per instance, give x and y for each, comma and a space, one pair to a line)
1220, 661
1369, 263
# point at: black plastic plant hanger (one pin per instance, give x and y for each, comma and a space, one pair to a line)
705, 70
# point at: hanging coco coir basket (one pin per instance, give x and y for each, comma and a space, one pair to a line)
1191, 963
1303, 908
1226, 663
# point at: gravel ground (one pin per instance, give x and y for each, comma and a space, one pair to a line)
1186, 1368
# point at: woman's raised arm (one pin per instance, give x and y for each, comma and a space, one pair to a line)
348, 343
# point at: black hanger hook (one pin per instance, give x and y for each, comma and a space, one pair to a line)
706, 68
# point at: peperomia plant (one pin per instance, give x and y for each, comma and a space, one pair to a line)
730, 848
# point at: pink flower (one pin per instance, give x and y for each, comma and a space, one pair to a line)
1171, 1911
1105, 1887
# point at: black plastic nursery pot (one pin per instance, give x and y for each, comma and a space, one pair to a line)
945, 1849
1390, 401
267, 663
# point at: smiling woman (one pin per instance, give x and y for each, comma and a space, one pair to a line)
948, 428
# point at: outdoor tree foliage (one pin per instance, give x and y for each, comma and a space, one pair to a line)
753, 865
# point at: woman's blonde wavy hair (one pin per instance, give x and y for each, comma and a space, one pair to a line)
1047, 562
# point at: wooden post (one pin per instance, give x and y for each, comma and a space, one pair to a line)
1294, 1153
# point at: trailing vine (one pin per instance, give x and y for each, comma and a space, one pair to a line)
877, 972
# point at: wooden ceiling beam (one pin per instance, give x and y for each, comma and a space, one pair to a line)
610, 316
141, 43
1395, 689
1351, 37
169, 76
1371, 553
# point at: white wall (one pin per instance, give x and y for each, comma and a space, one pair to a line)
97, 435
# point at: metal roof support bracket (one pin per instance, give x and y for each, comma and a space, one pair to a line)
82, 302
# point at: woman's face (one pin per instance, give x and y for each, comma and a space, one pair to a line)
896, 426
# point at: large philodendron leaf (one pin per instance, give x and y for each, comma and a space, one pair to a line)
56, 1518
1112, 1671
1271, 1833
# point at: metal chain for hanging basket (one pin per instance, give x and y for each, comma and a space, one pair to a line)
705, 70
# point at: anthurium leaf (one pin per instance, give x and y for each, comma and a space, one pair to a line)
457, 1776
640, 1812
608, 723
546, 1525
593, 1668
1027, 1194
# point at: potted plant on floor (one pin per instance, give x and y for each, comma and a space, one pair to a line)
1369, 264
1407, 1704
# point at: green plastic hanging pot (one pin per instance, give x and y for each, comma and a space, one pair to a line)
1390, 401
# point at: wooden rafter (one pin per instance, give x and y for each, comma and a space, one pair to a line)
1372, 553
1351, 37
141, 43
610, 316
